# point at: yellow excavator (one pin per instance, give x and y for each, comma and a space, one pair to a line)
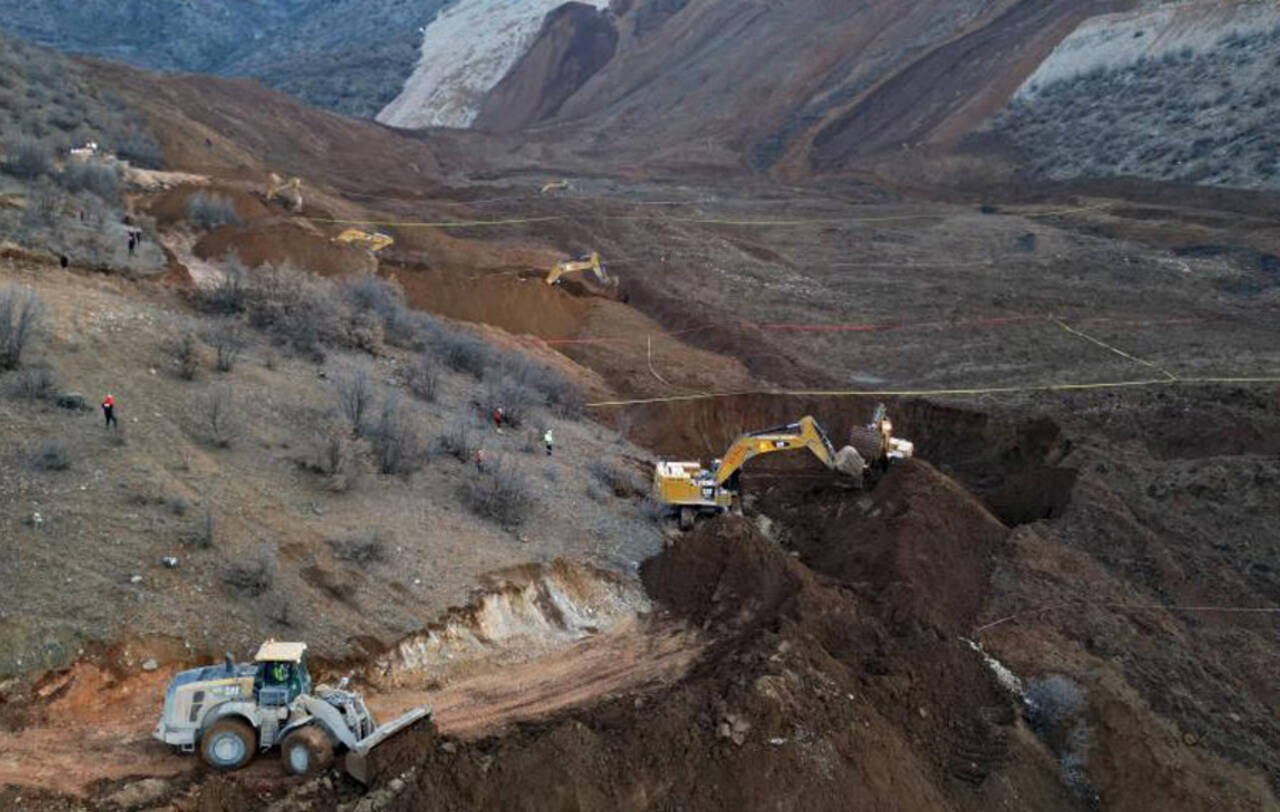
375, 241
592, 263
690, 489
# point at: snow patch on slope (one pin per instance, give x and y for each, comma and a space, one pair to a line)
1112, 41
465, 52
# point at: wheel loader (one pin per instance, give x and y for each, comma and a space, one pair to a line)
231, 711
690, 489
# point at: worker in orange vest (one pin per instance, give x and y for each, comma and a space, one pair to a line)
109, 412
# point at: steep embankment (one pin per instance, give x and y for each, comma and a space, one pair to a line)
1184, 93
575, 42
465, 52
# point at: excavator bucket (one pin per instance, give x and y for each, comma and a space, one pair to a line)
850, 462
362, 761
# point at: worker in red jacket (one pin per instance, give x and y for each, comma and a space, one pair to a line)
109, 412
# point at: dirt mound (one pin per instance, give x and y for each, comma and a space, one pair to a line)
920, 545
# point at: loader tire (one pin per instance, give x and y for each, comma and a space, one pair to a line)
307, 752
228, 744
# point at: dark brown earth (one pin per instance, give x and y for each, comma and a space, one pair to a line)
575, 42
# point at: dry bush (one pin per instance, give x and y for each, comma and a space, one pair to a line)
335, 456
101, 180
385, 300
542, 385
394, 440
250, 579
228, 295
53, 455
216, 412
363, 551
623, 482
459, 440
209, 210
422, 378
355, 398
462, 352
296, 308
184, 350
21, 313
36, 381
227, 341
501, 492
28, 158
203, 531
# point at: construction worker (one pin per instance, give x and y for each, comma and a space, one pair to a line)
109, 412
497, 419
549, 440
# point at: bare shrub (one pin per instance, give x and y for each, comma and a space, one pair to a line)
178, 506
363, 551
53, 455
501, 492
460, 440
228, 295
462, 352
216, 412
140, 149
209, 210
385, 299
250, 579
227, 341
394, 440
184, 350
355, 398
203, 531
298, 309
100, 179
621, 481
547, 386
422, 378
36, 381
21, 312
28, 158
334, 455
516, 400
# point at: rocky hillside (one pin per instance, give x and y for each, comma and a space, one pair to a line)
1184, 93
346, 55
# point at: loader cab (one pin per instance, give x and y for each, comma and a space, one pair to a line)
281, 676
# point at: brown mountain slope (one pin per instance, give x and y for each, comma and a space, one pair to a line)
730, 83
575, 42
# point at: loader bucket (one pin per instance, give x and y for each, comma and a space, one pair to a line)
361, 762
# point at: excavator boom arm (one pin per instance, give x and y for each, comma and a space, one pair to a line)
803, 434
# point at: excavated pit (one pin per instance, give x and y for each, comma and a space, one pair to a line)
1012, 463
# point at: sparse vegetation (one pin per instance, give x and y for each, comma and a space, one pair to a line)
36, 381
227, 341
215, 410
501, 493
184, 350
252, 579
209, 210
462, 352
394, 440
355, 398
53, 455
422, 378
622, 482
227, 296
21, 311
362, 551
203, 531
460, 440
101, 180
1198, 116
28, 158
